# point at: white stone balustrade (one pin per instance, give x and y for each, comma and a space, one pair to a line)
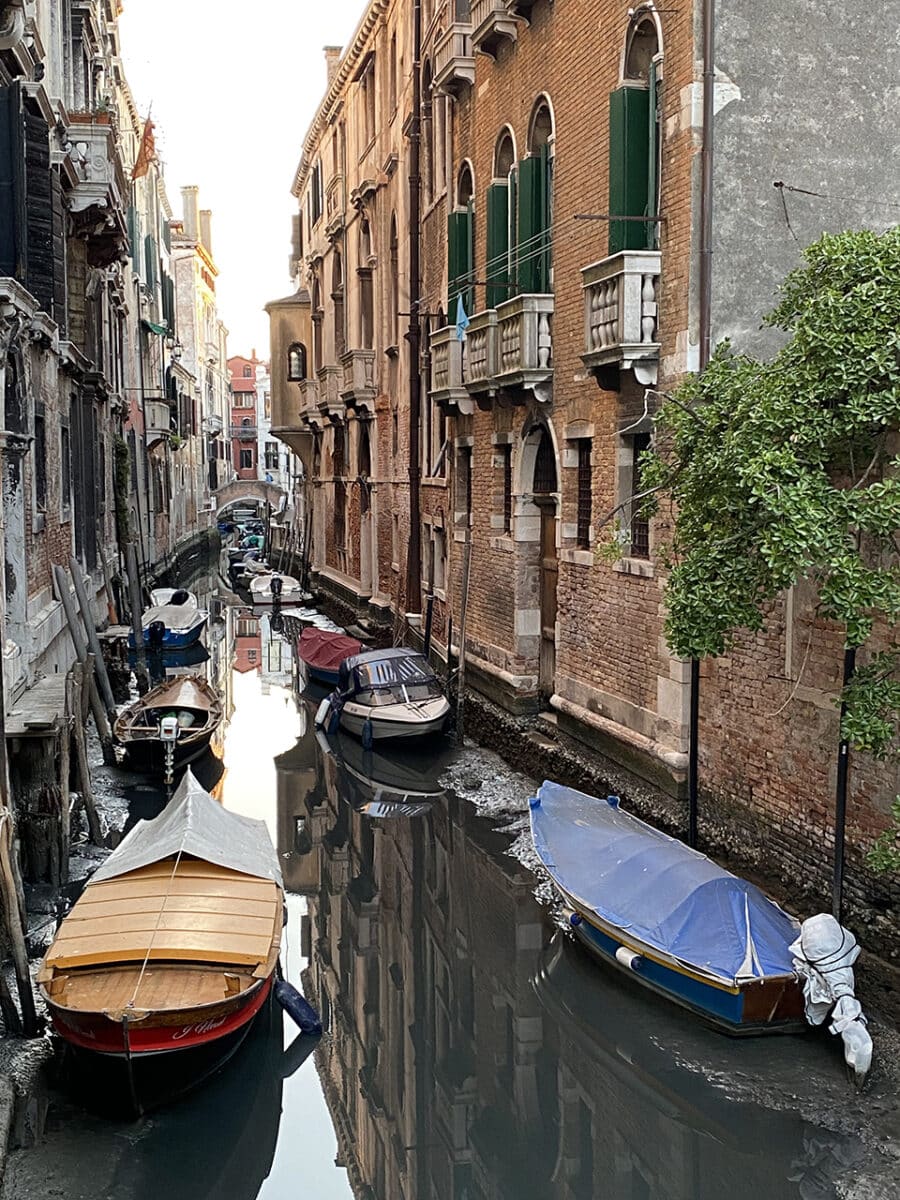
358, 368
525, 341
621, 313
328, 396
492, 21
94, 154
480, 354
447, 387
454, 59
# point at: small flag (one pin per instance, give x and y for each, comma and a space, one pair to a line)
146, 152
462, 321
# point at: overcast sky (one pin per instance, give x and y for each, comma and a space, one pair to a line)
233, 89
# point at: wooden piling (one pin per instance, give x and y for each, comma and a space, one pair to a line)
81, 702
81, 652
134, 594
87, 618
111, 609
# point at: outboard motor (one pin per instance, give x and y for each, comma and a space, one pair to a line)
156, 632
277, 585
179, 597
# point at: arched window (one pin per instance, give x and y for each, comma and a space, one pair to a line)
364, 274
297, 362
501, 221
337, 297
634, 124
545, 477
461, 245
428, 133
535, 204
394, 282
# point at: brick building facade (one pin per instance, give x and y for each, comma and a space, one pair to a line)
558, 217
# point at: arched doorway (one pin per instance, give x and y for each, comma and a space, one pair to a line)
540, 476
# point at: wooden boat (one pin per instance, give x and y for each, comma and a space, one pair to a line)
386, 694
668, 916
171, 626
270, 587
321, 653
171, 951
197, 708
160, 597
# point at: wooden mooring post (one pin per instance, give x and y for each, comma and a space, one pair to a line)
134, 595
81, 653
93, 641
82, 676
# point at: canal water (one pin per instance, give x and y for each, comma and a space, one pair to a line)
471, 1051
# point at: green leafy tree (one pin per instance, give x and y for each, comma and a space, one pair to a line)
787, 469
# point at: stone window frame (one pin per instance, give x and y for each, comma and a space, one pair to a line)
629, 563
462, 520
39, 507
503, 450
575, 434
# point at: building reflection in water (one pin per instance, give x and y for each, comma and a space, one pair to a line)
470, 1056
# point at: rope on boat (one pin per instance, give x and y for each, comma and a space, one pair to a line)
159, 917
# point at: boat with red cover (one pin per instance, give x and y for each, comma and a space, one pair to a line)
169, 954
322, 652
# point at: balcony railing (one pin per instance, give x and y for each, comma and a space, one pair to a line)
157, 419
492, 21
447, 387
621, 313
101, 189
525, 341
454, 59
328, 392
358, 388
480, 359
521, 8
246, 433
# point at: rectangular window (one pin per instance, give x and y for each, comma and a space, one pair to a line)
460, 261
640, 526
440, 559
583, 535
506, 452
246, 460
40, 460
65, 470
464, 485
497, 265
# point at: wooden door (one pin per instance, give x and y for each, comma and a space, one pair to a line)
549, 577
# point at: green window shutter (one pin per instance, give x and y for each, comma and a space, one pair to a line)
459, 240
629, 135
150, 254
469, 298
652, 240
497, 267
133, 235
534, 223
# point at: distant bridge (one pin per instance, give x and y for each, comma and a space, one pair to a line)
252, 491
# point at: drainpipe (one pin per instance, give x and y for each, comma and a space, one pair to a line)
414, 551
706, 250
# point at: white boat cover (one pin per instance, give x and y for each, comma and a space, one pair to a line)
177, 617
824, 955
161, 597
196, 824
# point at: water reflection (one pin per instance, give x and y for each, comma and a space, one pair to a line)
467, 1058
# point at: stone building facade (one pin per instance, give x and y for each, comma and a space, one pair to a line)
558, 219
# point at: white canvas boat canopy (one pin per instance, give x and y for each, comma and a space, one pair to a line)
194, 823
177, 617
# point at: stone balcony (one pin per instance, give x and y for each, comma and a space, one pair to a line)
157, 420
621, 315
480, 357
492, 21
334, 207
99, 199
521, 8
525, 342
454, 59
244, 433
358, 388
328, 392
447, 387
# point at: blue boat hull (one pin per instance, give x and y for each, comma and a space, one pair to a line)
173, 640
760, 1006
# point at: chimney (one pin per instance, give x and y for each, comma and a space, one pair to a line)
332, 60
191, 206
206, 228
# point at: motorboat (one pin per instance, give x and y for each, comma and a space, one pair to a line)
171, 951
270, 587
171, 626
161, 597
194, 710
386, 694
667, 915
378, 785
321, 653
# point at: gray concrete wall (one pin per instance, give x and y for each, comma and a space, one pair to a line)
817, 102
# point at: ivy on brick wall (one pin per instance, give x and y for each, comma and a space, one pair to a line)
787, 470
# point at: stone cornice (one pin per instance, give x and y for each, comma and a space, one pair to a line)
345, 71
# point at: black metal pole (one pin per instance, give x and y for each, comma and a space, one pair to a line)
706, 249
414, 553
840, 798
429, 619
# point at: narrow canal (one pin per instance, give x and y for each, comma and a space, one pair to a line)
471, 1051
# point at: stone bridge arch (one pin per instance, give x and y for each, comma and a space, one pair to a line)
254, 491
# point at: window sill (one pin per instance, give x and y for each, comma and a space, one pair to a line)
439, 593
504, 542
641, 567
576, 556
38, 522
434, 481
395, 567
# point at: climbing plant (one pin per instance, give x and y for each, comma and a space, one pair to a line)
787, 469
121, 486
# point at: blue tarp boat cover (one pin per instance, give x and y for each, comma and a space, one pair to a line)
657, 890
